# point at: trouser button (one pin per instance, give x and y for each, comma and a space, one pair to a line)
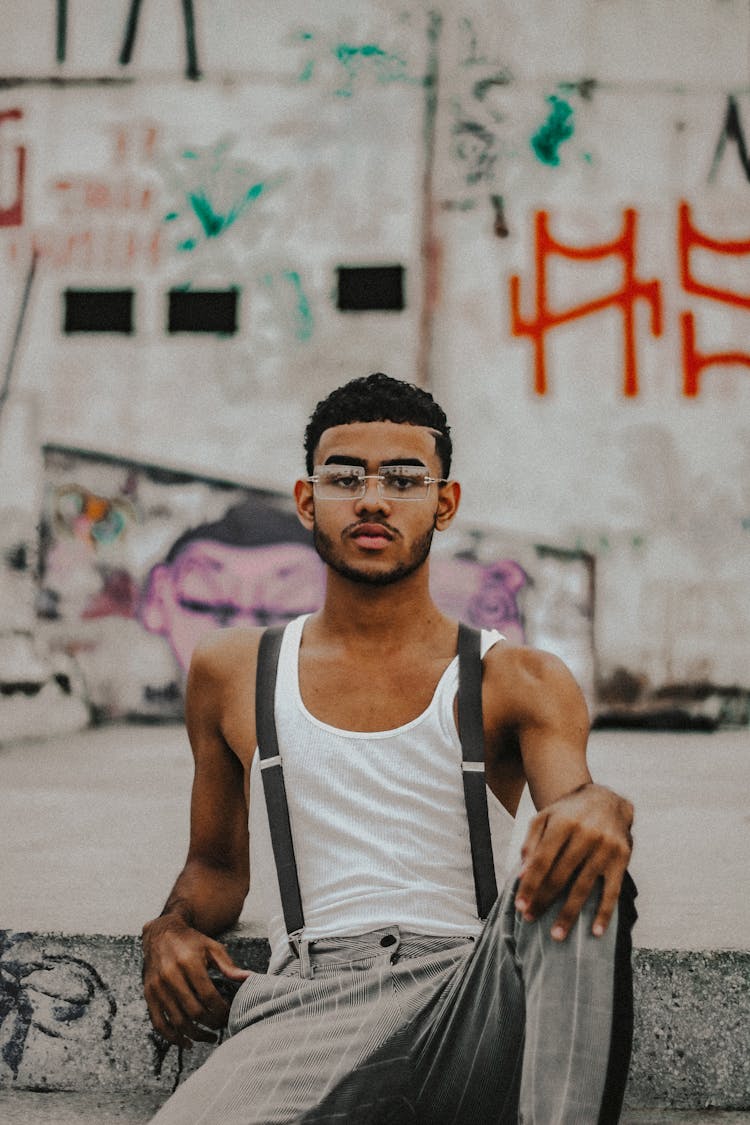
389, 939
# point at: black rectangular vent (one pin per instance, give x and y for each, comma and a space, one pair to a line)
98, 310
203, 310
370, 288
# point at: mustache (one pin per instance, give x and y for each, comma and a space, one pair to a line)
351, 528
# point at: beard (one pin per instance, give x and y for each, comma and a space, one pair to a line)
325, 547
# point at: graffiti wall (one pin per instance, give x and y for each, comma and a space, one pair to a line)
137, 563
210, 215
604, 311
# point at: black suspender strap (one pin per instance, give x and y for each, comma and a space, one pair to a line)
471, 733
273, 781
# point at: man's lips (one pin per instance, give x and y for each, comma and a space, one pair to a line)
371, 536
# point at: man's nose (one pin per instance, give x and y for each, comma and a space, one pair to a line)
372, 501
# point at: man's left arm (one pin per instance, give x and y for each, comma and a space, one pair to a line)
580, 836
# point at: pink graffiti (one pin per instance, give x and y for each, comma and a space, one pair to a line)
483, 596
212, 585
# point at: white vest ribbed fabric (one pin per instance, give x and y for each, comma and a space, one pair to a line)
378, 818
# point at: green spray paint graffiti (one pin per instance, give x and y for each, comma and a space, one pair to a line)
556, 129
214, 193
359, 61
304, 317
214, 223
280, 287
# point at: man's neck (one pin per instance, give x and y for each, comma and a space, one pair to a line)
387, 616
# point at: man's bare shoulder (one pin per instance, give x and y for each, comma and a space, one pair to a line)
220, 698
522, 684
225, 653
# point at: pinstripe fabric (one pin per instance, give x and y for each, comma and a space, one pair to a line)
392, 1027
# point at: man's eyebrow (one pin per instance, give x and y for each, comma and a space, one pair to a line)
404, 461
341, 459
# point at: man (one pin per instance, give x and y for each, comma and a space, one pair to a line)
394, 1000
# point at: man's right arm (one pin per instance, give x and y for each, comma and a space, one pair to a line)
178, 946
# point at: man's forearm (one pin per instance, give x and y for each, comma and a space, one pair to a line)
206, 897
555, 772
179, 956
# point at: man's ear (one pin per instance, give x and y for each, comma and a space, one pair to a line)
449, 497
305, 502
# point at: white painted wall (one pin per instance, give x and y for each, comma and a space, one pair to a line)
330, 109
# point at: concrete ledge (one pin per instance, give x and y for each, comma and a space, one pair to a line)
27, 1107
72, 1018
691, 1043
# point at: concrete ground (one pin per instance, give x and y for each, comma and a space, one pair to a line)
93, 829
31, 1108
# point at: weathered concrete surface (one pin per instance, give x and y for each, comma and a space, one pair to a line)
692, 1029
26, 1107
75, 1020
683, 1117
73, 1017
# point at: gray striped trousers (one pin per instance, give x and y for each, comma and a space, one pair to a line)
394, 1027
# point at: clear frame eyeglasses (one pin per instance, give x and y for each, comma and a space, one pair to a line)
349, 482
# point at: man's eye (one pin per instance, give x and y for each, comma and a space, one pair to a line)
402, 482
343, 481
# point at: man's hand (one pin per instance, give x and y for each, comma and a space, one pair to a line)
182, 1000
574, 842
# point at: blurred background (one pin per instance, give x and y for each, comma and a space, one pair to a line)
212, 214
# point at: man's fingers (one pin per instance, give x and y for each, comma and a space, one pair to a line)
533, 836
178, 1025
184, 1003
199, 999
162, 1026
543, 873
210, 1007
609, 900
580, 890
171, 1023
571, 844
219, 957
183, 1007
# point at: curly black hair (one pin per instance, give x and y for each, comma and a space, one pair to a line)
379, 398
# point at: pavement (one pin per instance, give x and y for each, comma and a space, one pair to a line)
32, 1108
94, 829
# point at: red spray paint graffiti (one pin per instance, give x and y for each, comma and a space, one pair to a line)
689, 238
694, 361
106, 221
624, 298
12, 216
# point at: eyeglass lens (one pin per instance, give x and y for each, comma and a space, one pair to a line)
395, 482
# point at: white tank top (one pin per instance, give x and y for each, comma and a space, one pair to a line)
378, 818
